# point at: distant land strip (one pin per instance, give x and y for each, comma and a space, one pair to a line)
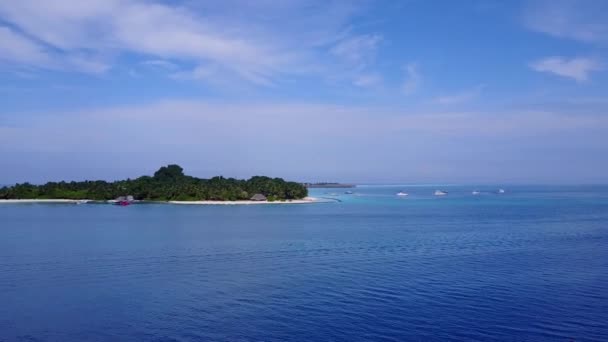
329, 185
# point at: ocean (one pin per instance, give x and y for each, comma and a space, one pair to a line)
527, 265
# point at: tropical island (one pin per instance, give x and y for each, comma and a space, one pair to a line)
168, 184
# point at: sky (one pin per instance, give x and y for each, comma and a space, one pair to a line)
412, 91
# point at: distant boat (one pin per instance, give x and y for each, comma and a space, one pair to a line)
440, 193
501, 191
348, 192
475, 192
401, 193
123, 201
82, 202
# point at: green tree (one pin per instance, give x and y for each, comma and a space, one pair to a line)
168, 183
169, 173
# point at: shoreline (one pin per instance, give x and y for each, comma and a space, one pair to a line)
306, 200
57, 200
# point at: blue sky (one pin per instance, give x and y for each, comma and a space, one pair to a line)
475, 91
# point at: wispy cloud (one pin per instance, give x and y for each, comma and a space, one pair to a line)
355, 55
412, 79
359, 51
194, 36
139, 27
461, 97
160, 64
576, 68
17, 49
368, 80
583, 20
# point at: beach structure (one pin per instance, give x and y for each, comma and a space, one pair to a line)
123, 200
258, 197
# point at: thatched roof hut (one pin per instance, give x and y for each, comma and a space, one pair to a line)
258, 197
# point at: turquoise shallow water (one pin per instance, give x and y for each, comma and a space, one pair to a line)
527, 265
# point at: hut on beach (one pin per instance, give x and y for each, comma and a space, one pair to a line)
124, 199
258, 197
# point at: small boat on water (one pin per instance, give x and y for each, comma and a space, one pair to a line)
440, 193
348, 192
123, 201
82, 202
401, 193
475, 192
501, 191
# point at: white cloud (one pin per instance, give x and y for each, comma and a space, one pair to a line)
355, 57
86, 64
368, 80
575, 68
18, 49
413, 79
160, 64
139, 27
461, 97
243, 43
582, 20
359, 51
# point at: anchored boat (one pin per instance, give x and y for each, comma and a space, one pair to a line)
123, 201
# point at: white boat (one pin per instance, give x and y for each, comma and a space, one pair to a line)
440, 193
401, 193
82, 202
475, 192
501, 191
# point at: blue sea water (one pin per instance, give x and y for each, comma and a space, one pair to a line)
527, 265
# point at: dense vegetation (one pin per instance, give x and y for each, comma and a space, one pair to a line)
168, 184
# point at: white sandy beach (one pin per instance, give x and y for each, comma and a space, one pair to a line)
9, 201
305, 200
